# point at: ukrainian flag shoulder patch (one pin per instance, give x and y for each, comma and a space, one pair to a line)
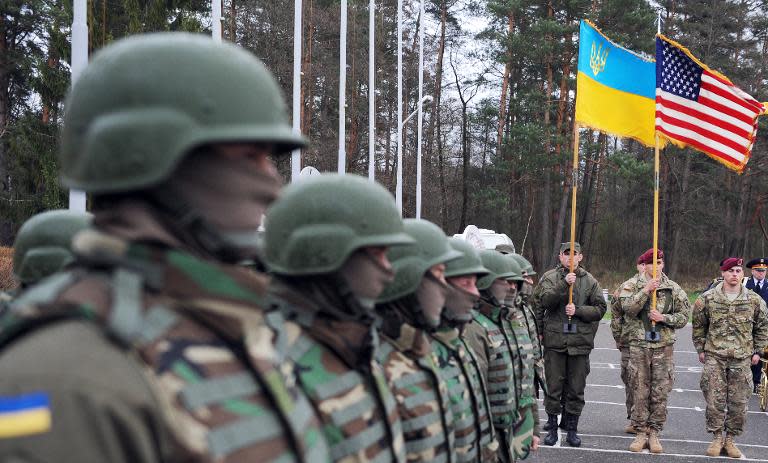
25, 414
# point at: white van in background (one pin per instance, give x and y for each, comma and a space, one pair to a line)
482, 238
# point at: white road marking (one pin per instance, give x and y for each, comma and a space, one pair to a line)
676, 351
672, 407
616, 366
667, 455
621, 386
661, 437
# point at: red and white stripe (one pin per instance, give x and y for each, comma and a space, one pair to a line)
721, 123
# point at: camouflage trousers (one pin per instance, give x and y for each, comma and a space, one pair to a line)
625, 378
651, 374
726, 384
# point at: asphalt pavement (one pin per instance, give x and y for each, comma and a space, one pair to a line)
684, 437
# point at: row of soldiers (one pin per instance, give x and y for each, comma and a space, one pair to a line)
371, 338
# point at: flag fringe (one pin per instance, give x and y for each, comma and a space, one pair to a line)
738, 168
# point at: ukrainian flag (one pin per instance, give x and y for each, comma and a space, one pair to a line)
24, 414
615, 88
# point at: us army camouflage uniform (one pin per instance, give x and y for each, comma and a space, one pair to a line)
172, 355
475, 439
338, 366
651, 364
524, 361
617, 325
422, 396
728, 332
489, 337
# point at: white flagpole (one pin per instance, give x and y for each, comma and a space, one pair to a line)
216, 20
342, 87
79, 62
399, 182
421, 112
371, 92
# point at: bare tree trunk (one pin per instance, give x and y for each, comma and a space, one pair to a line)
546, 230
233, 21
306, 83
505, 84
682, 204
435, 113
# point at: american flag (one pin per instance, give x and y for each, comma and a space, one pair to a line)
701, 108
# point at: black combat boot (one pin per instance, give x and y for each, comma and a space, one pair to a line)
551, 422
572, 438
551, 437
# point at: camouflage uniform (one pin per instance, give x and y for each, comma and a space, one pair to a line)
188, 365
524, 359
728, 332
651, 364
475, 439
617, 330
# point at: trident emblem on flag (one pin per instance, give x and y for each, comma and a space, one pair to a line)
597, 58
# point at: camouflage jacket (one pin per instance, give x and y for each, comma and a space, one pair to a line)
489, 338
671, 301
475, 439
617, 318
734, 329
338, 367
549, 300
163, 356
525, 377
422, 395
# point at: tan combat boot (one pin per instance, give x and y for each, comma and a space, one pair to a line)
730, 447
653, 442
641, 440
716, 446
629, 429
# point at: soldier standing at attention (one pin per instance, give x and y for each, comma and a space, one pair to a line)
475, 438
153, 346
410, 308
730, 329
651, 347
759, 284
330, 264
566, 355
617, 330
490, 337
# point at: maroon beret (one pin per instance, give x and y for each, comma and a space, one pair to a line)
647, 256
730, 262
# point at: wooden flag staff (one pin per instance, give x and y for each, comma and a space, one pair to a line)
570, 327
653, 335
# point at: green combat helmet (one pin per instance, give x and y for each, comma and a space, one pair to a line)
413, 261
468, 264
129, 123
524, 264
499, 266
318, 223
42, 246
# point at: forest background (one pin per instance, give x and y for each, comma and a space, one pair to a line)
498, 133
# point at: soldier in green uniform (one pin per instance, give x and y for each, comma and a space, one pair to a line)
617, 330
651, 359
566, 355
410, 309
153, 345
475, 438
730, 329
526, 430
330, 264
490, 337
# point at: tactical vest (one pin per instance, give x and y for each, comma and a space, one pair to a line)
357, 409
242, 401
423, 404
474, 433
524, 360
501, 376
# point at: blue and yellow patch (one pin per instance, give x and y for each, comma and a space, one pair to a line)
25, 414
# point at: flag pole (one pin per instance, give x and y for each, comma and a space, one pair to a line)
574, 187
655, 222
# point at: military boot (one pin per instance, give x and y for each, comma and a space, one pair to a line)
730, 448
630, 429
551, 437
716, 446
654, 445
572, 438
551, 422
641, 440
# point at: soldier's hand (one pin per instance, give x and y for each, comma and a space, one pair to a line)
652, 285
570, 310
656, 316
755, 359
702, 357
570, 278
535, 444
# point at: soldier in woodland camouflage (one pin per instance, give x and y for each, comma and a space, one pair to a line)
410, 308
330, 264
475, 438
617, 330
154, 344
730, 329
651, 364
490, 337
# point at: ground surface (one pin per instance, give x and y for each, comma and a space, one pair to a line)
684, 437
